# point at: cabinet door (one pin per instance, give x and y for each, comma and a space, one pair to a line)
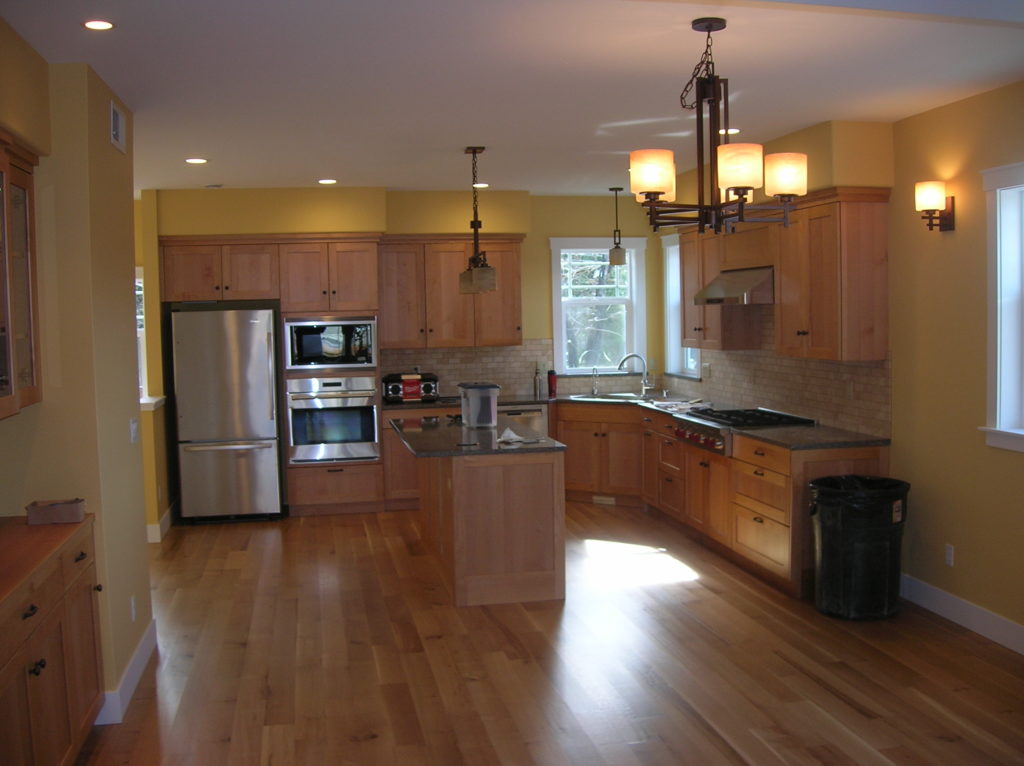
671, 493
449, 312
191, 273
823, 290
8, 397
622, 458
498, 315
402, 322
401, 467
81, 651
15, 726
696, 471
304, 277
689, 270
353, 276
583, 454
47, 691
719, 510
710, 267
21, 265
791, 287
250, 272
649, 490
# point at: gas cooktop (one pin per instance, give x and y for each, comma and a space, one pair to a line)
750, 418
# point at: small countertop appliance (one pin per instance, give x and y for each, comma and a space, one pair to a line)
410, 387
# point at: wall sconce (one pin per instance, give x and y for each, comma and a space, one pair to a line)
930, 198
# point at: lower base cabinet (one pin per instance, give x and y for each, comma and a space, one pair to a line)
605, 448
50, 669
400, 465
330, 488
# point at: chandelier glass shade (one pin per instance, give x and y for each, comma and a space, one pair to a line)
727, 173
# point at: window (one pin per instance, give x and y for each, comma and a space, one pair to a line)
598, 310
140, 330
1004, 188
678, 360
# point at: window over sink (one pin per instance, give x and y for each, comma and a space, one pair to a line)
598, 309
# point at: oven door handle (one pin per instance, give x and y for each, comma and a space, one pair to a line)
228, 446
331, 395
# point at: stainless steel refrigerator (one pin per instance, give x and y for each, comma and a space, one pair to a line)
224, 391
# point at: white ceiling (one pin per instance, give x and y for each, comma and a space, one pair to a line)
389, 92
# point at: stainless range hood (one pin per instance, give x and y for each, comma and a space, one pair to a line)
738, 287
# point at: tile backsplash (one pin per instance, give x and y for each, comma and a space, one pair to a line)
851, 395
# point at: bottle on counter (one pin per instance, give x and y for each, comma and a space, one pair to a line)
552, 384
536, 383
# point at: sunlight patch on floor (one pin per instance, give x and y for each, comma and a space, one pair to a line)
615, 566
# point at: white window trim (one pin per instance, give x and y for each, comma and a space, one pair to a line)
1005, 324
676, 355
637, 247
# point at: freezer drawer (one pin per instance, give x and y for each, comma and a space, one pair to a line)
229, 478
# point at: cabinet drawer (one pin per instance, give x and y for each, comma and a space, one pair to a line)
670, 452
597, 413
780, 515
761, 453
761, 540
333, 485
27, 607
658, 421
77, 555
761, 484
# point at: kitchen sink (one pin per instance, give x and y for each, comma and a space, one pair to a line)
623, 397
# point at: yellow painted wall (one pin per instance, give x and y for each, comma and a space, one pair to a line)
448, 212
154, 463
24, 91
963, 492
265, 211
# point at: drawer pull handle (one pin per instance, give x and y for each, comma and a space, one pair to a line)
704, 464
758, 473
82, 556
668, 443
335, 470
98, 588
759, 452
32, 611
37, 668
758, 520
647, 420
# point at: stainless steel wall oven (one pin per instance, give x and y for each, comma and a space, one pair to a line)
331, 419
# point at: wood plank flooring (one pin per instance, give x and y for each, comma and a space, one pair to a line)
328, 640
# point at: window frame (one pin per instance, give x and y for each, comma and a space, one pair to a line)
636, 309
681, 361
1004, 191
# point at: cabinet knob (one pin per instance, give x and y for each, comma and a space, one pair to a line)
82, 556
421, 330
704, 464
758, 473
334, 292
98, 587
647, 420
37, 668
227, 287
759, 452
323, 292
216, 287
31, 612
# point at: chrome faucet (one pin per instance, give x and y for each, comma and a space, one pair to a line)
645, 383
593, 382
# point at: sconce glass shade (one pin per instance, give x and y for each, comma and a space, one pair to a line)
653, 170
785, 173
741, 166
930, 195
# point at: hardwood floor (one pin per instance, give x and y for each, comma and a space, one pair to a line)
327, 640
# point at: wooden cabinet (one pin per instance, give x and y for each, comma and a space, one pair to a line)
401, 480
750, 245
657, 427
334, 488
329, 276
706, 503
711, 327
831, 280
421, 306
213, 272
605, 448
50, 671
20, 380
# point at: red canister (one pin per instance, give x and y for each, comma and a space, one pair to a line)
552, 384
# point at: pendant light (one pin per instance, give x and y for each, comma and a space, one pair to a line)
617, 255
726, 173
478, 277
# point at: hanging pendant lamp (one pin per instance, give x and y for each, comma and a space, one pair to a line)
479, 277
617, 255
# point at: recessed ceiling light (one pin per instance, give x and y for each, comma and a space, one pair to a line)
98, 25
196, 161
730, 131
327, 181
480, 185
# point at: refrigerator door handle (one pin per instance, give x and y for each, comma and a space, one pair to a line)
270, 371
228, 446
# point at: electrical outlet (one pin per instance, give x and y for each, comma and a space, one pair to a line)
131, 606
133, 430
705, 370
950, 553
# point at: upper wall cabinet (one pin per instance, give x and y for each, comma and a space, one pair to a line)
831, 281
20, 382
329, 276
421, 306
219, 272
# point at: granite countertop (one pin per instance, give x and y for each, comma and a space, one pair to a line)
814, 437
439, 437
448, 402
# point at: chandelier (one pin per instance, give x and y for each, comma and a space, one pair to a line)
727, 173
479, 277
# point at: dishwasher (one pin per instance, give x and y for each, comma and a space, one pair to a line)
531, 416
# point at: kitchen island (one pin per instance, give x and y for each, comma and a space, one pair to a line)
493, 511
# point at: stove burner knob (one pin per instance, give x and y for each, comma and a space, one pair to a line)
719, 444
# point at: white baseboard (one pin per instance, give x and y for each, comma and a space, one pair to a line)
155, 532
971, 616
116, 702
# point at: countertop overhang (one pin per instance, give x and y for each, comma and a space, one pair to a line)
439, 437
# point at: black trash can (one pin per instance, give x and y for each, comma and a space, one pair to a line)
858, 528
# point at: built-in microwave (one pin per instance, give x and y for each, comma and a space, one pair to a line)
322, 343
